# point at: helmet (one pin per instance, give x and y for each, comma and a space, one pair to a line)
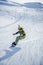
19, 28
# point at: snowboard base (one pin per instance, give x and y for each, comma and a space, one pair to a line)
12, 45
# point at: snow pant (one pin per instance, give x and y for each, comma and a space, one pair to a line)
19, 38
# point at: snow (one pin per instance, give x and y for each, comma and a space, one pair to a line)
33, 5
29, 51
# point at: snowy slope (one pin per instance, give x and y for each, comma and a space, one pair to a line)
9, 3
28, 51
33, 5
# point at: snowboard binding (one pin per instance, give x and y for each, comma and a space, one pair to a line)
13, 44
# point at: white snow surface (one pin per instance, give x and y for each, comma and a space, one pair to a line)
29, 51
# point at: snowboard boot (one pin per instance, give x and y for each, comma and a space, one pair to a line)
13, 44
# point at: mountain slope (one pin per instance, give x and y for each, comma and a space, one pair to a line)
33, 5
9, 3
28, 5
29, 51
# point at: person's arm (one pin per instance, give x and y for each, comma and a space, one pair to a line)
15, 33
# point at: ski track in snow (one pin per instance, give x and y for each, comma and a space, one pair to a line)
28, 51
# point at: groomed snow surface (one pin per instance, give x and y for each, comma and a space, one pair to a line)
28, 51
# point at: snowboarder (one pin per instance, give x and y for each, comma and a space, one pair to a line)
21, 36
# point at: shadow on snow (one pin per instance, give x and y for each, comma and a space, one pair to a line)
9, 53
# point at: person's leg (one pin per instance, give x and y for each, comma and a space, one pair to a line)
18, 38
16, 41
